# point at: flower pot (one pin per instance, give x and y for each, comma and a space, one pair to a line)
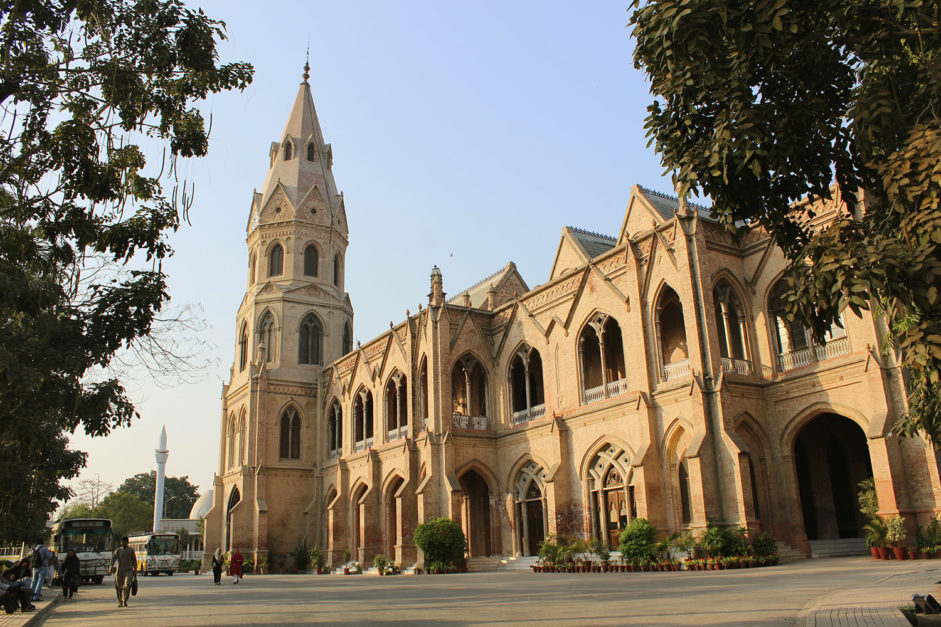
875, 552
911, 555
346, 571
922, 555
883, 552
899, 552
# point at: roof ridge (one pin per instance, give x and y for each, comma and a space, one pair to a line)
674, 198
593, 233
484, 280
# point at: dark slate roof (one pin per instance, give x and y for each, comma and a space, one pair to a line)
667, 205
478, 291
593, 244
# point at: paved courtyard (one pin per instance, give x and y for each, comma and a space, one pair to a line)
820, 592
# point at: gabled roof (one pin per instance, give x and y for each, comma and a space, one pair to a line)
667, 205
593, 244
478, 291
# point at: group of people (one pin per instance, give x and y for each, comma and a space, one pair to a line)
235, 566
21, 584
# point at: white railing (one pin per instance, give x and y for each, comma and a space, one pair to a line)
368, 442
833, 348
186, 554
593, 395
525, 415
676, 370
396, 434
795, 359
359, 446
470, 423
616, 388
334, 453
741, 366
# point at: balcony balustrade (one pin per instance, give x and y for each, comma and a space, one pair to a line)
676, 370
470, 423
740, 366
525, 415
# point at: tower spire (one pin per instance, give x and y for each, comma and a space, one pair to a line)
307, 65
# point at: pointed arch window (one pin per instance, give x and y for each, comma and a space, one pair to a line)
685, 503
231, 439
311, 152
337, 269
671, 331
794, 343
612, 495
287, 150
310, 347
469, 394
276, 261
290, 435
363, 420
267, 336
730, 325
423, 392
396, 407
251, 269
311, 257
528, 397
243, 347
601, 355
242, 443
347, 338
335, 425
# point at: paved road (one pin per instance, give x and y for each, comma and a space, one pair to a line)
778, 595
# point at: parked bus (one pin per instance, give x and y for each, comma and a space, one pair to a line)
90, 538
156, 552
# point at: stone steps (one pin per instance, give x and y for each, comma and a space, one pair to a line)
518, 563
483, 564
838, 547
787, 553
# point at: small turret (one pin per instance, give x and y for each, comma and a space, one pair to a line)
436, 296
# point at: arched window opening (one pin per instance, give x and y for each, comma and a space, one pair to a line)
423, 393
612, 505
684, 494
310, 345
287, 150
267, 337
530, 508
528, 396
243, 347
363, 420
290, 435
730, 324
242, 442
795, 345
347, 338
251, 269
311, 258
230, 431
276, 261
234, 499
311, 152
335, 436
671, 327
469, 395
396, 407
601, 356
336, 269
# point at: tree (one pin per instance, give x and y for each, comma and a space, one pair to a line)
178, 493
762, 104
76, 509
84, 219
127, 513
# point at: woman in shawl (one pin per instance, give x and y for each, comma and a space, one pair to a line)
71, 574
235, 565
217, 567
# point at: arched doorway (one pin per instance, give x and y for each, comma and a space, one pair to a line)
529, 494
612, 496
393, 518
832, 456
234, 499
475, 512
358, 535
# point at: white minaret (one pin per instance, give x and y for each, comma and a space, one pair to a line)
161, 453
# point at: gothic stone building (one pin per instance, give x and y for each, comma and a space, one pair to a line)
653, 374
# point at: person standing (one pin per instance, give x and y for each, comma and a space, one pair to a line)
126, 571
42, 559
235, 564
71, 573
217, 567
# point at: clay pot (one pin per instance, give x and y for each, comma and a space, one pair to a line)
883, 552
899, 552
875, 552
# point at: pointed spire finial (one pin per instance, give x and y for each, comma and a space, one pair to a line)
307, 65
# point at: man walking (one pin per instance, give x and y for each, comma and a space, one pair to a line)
42, 559
125, 573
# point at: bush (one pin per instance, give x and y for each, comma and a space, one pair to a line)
764, 544
441, 540
317, 558
549, 549
724, 541
895, 530
380, 562
637, 541
601, 550
301, 557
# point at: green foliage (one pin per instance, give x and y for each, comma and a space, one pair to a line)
867, 498
549, 549
895, 530
178, 493
762, 104
346, 556
127, 513
76, 510
317, 558
441, 540
380, 562
685, 542
600, 549
84, 218
638, 541
301, 557
932, 533
724, 541
764, 545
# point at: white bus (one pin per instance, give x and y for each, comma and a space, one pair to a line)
90, 538
156, 552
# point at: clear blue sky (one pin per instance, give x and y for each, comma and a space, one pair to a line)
465, 134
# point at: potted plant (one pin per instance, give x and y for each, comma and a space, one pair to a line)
895, 535
346, 561
380, 562
318, 560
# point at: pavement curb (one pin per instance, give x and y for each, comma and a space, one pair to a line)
41, 614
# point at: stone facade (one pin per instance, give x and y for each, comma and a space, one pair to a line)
652, 375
